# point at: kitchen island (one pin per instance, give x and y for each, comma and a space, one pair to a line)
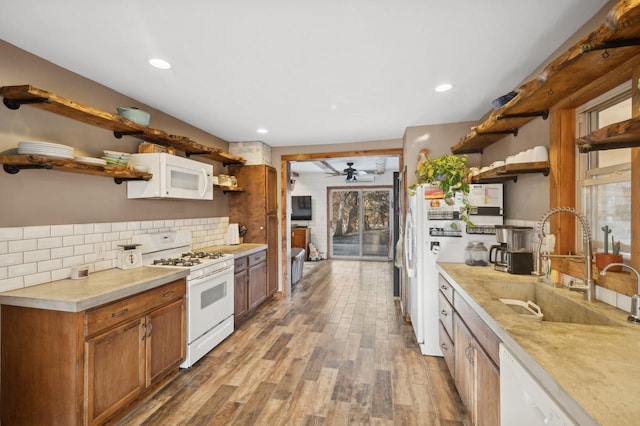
589, 369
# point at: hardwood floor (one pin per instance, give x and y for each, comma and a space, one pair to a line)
336, 353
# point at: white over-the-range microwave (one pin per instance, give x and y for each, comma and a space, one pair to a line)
173, 177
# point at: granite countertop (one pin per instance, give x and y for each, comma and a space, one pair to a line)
99, 288
238, 250
591, 370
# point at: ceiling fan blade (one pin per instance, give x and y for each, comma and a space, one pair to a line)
328, 168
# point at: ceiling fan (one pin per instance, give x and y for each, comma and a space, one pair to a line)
351, 174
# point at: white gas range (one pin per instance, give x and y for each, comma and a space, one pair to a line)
209, 288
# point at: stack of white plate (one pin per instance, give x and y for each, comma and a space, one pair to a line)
46, 149
116, 158
91, 160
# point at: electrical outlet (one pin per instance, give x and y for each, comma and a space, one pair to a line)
101, 251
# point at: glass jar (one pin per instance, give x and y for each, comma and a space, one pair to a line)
477, 254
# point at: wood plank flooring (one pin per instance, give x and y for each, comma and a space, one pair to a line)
336, 353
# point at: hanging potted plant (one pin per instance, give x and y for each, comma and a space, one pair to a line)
449, 175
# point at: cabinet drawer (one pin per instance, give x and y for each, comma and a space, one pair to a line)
240, 264
445, 288
445, 313
448, 349
106, 316
256, 258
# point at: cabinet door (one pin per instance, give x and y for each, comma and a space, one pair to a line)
257, 284
115, 369
464, 365
241, 296
272, 254
487, 390
166, 340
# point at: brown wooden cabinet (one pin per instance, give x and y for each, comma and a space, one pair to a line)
88, 367
470, 350
257, 279
251, 284
257, 208
300, 237
241, 292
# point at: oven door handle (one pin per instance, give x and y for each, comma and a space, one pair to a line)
214, 276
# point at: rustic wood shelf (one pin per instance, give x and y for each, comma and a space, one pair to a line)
512, 171
625, 134
12, 164
226, 189
15, 96
577, 67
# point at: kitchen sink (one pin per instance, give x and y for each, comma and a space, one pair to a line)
555, 306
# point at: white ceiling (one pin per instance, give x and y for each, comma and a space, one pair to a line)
311, 72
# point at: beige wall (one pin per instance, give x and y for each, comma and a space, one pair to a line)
38, 197
438, 139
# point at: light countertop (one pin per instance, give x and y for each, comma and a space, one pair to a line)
238, 250
99, 288
591, 370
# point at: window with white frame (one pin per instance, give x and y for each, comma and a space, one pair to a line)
604, 178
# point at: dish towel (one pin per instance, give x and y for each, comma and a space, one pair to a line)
233, 236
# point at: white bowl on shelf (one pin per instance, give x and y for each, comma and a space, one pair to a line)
510, 159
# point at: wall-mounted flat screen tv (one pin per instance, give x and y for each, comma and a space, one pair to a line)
301, 207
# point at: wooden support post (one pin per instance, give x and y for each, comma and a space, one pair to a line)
635, 174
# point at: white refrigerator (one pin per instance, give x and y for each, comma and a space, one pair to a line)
434, 233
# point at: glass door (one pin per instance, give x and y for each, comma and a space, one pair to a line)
360, 223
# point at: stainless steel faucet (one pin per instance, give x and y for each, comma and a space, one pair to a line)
634, 312
589, 289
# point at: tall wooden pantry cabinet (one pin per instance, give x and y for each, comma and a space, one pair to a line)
257, 207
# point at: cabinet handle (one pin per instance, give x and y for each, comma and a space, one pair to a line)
150, 328
168, 294
444, 313
143, 326
444, 346
119, 314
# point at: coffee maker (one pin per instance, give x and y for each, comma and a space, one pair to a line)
498, 252
513, 254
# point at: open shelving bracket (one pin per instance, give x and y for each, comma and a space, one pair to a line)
612, 44
189, 154
15, 103
543, 114
119, 134
513, 132
232, 163
13, 169
119, 180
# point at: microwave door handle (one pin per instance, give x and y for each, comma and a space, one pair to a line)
204, 185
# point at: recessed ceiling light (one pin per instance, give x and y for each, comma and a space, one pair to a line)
443, 87
262, 131
160, 63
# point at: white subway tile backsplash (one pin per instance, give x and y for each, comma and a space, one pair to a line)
49, 265
57, 253
61, 230
39, 254
93, 238
52, 242
22, 245
60, 274
119, 226
102, 227
11, 283
85, 228
9, 234
35, 279
22, 269
11, 259
83, 249
72, 240
37, 232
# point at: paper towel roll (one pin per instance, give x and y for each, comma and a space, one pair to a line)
233, 236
